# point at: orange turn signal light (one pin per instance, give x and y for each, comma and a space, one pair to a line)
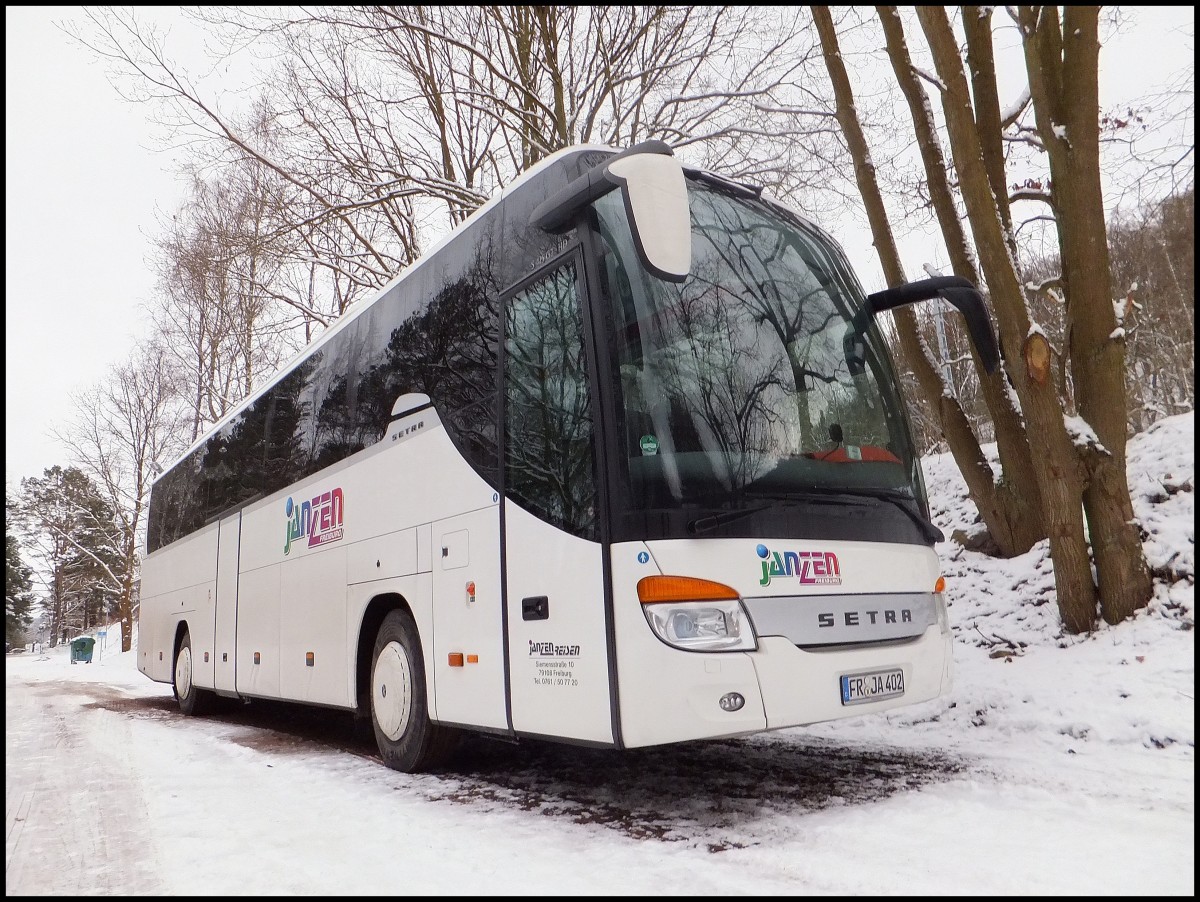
456, 659
940, 585
652, 589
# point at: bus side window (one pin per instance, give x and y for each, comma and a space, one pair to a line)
548, 461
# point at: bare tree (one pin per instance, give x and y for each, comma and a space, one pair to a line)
1059, 463
1059, 475
125, 429
1012, 518
380, 114
320, 192
542, 78
220, 324
1152, 252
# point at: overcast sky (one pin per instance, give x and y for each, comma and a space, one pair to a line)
82, 188
84, 183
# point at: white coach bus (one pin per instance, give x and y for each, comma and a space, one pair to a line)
620, 462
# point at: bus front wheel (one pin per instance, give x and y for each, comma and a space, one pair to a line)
408, 740
192, 699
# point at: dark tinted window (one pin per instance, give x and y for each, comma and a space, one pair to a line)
433, 332
548, 463
748, 387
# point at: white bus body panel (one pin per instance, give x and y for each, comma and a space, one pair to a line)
558, 665
376, 539
312, 604
384, 557
225, 629
178, 584
312, 598
667, 694
377, 499
784, 685
467, 551
258, 630
865, 567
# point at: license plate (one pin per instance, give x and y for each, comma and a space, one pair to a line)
858, 688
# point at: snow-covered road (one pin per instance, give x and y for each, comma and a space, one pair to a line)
109, 791
75, 816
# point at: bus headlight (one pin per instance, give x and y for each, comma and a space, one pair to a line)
696, 614
702, 625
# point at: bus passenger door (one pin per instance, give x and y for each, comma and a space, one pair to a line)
554, 593
225, 609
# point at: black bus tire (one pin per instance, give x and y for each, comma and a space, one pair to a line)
408, 740
192, 700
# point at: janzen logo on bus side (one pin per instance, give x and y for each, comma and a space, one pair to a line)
320, 519
812, 568
551, 650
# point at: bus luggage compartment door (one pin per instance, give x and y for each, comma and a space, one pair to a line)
468, 648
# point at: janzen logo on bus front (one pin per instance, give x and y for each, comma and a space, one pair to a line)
812, 568
320, 519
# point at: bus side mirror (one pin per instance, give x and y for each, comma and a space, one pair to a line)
959, 292
654, 190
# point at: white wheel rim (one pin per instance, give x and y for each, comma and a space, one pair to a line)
183, 672
391, 691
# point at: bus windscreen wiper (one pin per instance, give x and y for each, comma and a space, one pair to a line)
712, 521
928, 529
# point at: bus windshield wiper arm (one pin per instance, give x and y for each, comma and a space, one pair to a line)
712, 521
928, 529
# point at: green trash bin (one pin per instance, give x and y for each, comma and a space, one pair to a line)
81, 649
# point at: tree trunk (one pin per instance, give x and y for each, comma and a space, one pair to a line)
56, 611
523, 36
956, 429
1063, 64
977, 23
1055, 462
1018, 498
547, 19
125, 606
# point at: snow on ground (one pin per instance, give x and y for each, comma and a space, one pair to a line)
1128, 683
1058, 765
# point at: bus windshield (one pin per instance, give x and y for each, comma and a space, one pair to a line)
750, 380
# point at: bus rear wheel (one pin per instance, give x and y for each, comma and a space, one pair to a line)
408, 740
192, 699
